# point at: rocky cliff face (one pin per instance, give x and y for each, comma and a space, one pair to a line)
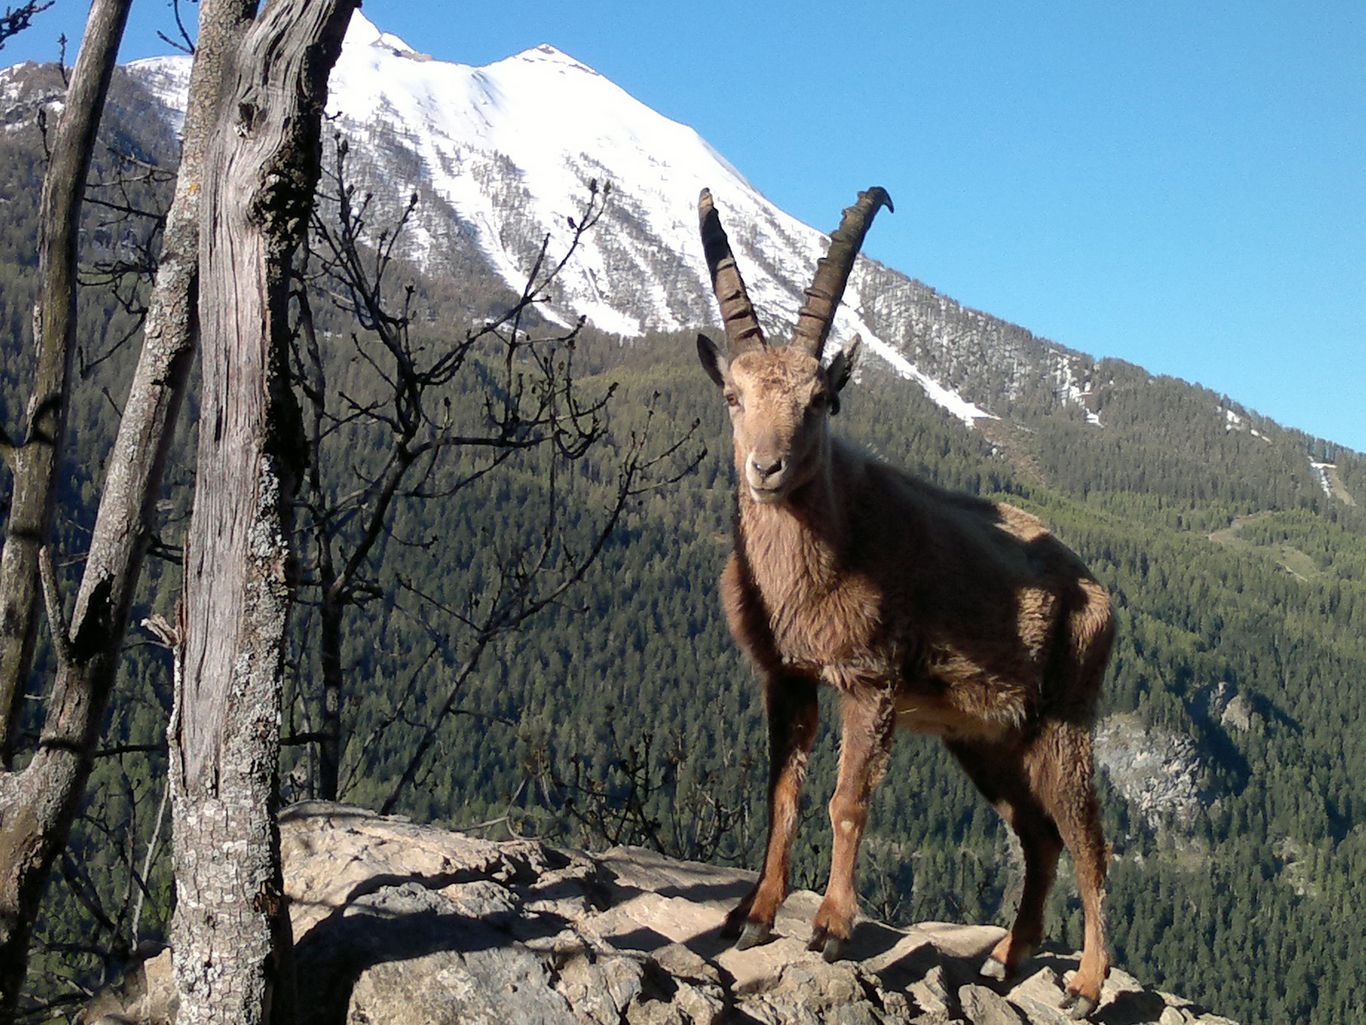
396, 924
1159, 773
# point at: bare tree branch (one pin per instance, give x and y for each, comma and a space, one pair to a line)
16, 19
530, 403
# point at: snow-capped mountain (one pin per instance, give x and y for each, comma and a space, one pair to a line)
503, 155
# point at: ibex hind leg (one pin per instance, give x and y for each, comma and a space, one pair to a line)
1001, 776
1064, 776
1064, 770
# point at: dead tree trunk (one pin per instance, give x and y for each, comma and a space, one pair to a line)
37, 806
230, 931
35, 456
27, 845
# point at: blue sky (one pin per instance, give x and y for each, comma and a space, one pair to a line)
1182, 185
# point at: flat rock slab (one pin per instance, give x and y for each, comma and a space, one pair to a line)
399, 924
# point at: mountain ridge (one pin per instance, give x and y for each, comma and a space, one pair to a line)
479, 126
502, 156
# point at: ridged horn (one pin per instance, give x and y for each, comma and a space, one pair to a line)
832, 272
737, 312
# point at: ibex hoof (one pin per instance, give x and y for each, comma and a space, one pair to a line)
994, 968
1078, 1006
831, 947
753, 934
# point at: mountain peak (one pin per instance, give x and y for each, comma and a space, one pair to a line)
505, 154
361, 31
546, 54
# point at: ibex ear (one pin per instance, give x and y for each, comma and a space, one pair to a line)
841, 369
713, 362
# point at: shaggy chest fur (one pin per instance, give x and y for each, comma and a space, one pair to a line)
820, 615
799, 603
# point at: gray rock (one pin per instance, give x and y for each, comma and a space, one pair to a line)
1040, 998
1240, 715
146, 994
983, 1007
1232, 709
600, 989
1159, 773
397, 924
931, 992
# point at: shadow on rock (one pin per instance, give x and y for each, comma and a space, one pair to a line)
406, 921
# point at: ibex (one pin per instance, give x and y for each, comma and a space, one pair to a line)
930, 611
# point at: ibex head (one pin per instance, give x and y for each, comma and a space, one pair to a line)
780, 399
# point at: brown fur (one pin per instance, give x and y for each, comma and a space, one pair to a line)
926, 610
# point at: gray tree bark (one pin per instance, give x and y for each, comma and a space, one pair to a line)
34, 458
33, 822
230, 931
38, 805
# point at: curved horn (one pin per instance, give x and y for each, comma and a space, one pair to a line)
832, 272
737, 312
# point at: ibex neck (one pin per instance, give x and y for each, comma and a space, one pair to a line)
794, 546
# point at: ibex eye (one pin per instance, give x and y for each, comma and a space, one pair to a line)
732, 400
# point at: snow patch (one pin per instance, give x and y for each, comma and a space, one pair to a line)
1073, 388
946, 398
1238, 422
361, 31
168, 80
1321, 471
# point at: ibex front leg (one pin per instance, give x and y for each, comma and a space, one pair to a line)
793, 715
869, 718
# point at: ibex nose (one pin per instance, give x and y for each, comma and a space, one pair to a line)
766, 468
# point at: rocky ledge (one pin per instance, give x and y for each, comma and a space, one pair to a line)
399, 924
